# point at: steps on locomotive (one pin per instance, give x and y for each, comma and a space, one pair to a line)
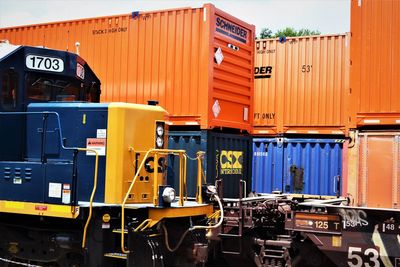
119, 231
116, 255
115, 251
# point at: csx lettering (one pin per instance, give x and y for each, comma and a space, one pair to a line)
231, 162
149, 165
263, 70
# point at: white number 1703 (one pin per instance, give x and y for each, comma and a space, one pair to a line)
37, 62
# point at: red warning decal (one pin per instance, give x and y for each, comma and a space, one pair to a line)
97, 144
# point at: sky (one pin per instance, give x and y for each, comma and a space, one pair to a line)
326, 16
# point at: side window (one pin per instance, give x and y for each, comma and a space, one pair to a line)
92, 93
9, 90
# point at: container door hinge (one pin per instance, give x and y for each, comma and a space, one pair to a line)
279, 141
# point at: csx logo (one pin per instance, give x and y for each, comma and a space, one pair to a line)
231, 162
149, 164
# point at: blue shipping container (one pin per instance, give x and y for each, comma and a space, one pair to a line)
295, 165
228, 158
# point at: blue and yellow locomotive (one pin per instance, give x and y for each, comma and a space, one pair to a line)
83, 183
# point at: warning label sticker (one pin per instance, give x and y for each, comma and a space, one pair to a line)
55, 190
66, 196
101, 133
97, 144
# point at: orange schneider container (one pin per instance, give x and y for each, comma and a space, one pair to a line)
375, 56
301, 85
374, 169
197, 62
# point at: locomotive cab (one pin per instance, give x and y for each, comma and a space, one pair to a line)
33, 75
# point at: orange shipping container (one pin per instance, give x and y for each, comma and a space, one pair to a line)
374, 169
197, 62
375, 57
301, 85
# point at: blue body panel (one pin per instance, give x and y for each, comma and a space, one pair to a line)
12, 132
49, 162
294, 165
21, 181
192, 142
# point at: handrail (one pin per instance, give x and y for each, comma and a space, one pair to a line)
44, 113
126, 198
143, 225
69, 148
199, 196
162, 151
184, 164
92, 195
155, 180
181, 182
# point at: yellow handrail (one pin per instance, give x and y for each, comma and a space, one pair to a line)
155, 180
162, 151
199, 196
124, 202
92, 195
184, 164
143, 225
180, 181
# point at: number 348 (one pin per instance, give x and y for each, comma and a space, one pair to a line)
358, 258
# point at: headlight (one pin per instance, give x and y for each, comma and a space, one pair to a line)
159, 142
169, 195
160, 130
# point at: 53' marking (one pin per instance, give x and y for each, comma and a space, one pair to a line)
358, 258
36, 62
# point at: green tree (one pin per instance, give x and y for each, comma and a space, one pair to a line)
266, 33
305, 32
287, 32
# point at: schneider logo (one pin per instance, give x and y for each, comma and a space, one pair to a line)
232, 30
262, 72
231, 162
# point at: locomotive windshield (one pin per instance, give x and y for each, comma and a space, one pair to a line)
42, 88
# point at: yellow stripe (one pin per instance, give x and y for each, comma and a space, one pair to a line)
60, 209
157, 214
14, 205
40, 209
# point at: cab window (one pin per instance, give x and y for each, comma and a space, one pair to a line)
9, 88
44, 89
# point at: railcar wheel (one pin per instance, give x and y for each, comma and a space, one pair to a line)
71, 260
306, 254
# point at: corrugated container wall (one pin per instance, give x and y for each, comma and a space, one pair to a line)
301, 85
375, 57
374, 169
294, 165
197, 62
228, 157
